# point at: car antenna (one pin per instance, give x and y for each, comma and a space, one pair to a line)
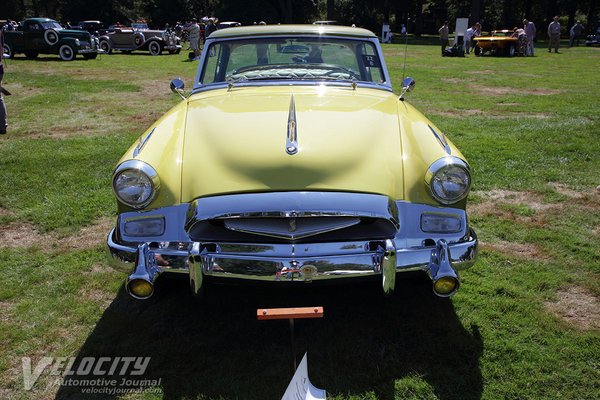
407, 83
405, 48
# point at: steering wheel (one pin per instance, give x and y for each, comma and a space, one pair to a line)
335, 68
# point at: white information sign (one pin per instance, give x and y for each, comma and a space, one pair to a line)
300, 387
462, 24
386, 34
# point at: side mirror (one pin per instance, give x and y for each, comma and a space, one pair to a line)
177, 86
408, 84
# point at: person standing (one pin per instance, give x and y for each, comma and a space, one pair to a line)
211, 27
554, 35
194, 32
2, 106
575, 33
530, 31
444, 32
469, 35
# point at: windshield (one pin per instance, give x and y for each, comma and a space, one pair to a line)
140, 26
51, 25
315, 59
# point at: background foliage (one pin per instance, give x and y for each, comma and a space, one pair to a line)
422, 16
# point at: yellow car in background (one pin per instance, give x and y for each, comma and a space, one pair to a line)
292, 161
499, 43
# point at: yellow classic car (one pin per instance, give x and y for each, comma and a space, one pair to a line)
499, 43
292, 161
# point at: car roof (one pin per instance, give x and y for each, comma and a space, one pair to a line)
282, 30
40, 20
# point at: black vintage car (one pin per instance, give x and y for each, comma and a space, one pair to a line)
139, 37
593, 39
36, 36
92, 27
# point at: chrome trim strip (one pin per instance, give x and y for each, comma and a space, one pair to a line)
442, 139
142, 142
291, 142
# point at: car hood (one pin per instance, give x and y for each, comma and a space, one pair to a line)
348, 140
74, 33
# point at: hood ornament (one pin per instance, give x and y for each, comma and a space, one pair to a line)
291, 143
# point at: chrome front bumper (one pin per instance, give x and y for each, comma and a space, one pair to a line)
289, 260
296, 263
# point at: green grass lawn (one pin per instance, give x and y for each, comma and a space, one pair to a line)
524, 325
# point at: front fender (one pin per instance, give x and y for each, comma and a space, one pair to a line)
73, 42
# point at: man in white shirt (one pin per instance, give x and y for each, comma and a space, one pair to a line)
530, 32
194, 30
471, 33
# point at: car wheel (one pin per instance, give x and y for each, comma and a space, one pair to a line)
105, 46
8, 50
90, 56
139, 39
31, 55
510, 51
154, 48
51, 37
477, 50
66, 52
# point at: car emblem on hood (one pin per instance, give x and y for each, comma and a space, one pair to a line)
293, 225
291, 143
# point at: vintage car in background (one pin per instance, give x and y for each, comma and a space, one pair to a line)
498, 43
139, 37
36, 36
228, 24
292, 161
593, 39
95, 27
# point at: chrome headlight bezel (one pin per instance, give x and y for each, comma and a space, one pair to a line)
139, 167
443, 165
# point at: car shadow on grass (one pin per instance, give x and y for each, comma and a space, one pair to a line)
217, 348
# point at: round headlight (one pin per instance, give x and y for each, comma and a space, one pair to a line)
135, 183
449, 180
